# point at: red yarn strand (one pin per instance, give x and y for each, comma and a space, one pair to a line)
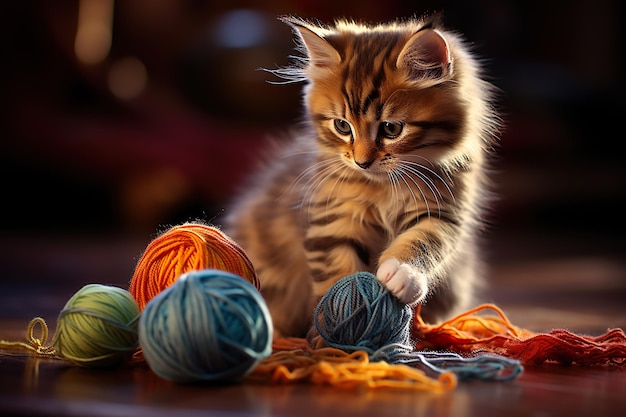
471, 332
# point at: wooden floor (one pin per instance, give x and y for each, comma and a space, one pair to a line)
545, 283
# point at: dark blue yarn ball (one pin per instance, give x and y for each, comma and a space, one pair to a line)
359, 313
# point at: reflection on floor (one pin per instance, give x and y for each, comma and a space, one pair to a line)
579, 285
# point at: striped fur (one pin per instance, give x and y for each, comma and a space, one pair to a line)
387, 173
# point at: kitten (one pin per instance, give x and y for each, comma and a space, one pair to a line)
387, 173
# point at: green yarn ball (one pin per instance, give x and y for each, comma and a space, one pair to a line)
98, 327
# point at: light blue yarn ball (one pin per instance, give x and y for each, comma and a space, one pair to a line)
358, 313
210, 325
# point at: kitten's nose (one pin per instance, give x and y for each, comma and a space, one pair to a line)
365, 164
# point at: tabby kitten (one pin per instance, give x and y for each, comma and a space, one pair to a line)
386, 175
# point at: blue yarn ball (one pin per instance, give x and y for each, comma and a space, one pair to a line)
210, 325
359, 313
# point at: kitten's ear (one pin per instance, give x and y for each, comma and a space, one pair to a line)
425, 55
320, 52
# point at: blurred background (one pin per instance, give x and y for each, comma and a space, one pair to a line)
120, 118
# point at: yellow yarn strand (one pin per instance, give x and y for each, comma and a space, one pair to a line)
294, 361
33, 344
97, 327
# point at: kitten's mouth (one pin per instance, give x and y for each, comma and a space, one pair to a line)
364, 165
371, 170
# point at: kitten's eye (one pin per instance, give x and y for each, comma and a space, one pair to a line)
391, 130
342, 127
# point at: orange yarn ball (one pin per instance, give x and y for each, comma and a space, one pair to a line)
184, 248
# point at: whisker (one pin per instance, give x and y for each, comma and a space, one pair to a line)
426, 180
420, 168
342, 178
319, 180
395, 193
292, 154
404, 174
311, 170
420, 157
397, 178
429, 184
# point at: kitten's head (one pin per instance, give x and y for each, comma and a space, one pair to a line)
380, 95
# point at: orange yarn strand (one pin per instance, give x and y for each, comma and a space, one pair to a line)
294, 360
184, 248
467, 331
470, 332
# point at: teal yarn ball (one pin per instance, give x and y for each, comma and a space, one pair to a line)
98, 327
210, 325
358, 313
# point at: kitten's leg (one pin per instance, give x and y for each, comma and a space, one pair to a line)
330, 258
415, 261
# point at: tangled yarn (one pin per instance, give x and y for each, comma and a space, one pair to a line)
472, 331
183, 248
97, 327
358, 313
295, 361
36, 345
210, 325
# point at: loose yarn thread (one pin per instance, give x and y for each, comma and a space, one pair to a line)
210, 325
36, 345
367, 330
98, 327
485, 367
470, 331
294, 361
184, 248
358, 313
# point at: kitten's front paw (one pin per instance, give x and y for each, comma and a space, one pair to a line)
403, 280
